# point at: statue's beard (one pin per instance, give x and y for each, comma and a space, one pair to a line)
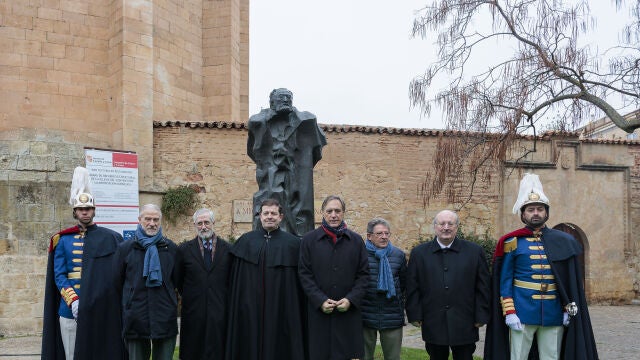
283, 108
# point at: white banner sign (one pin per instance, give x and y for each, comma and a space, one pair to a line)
114, 180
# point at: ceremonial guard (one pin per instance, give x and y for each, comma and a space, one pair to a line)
81, 310
538, 288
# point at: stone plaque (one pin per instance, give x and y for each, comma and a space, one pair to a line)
242, 211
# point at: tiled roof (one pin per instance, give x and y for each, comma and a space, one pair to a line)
201, 124
611, 141
382, 130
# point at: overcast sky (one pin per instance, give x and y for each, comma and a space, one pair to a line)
347, 61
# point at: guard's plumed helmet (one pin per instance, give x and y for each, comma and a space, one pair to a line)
530, 193
80, 195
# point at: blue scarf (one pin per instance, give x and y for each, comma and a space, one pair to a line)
151, 271
385, 277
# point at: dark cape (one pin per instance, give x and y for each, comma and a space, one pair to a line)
204, 291
99, 325
266, 304
578, 342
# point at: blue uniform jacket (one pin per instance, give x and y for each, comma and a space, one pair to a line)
67, 266
527, 278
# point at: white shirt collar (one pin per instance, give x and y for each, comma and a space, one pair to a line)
443, 246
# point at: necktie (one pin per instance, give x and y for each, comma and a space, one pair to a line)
207, 255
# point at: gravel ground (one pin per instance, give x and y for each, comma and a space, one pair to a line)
616, 329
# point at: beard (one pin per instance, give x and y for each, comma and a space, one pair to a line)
535, 222
205, 234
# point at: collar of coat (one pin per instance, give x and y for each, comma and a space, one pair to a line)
434, 246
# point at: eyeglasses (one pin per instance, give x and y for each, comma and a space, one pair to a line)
381, 233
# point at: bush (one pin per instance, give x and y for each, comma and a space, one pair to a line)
178, 201
485, 241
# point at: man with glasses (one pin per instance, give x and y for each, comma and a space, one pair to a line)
203, 272
448, 291
383, 304
266, 306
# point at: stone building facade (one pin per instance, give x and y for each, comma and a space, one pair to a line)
169, 81
593, 186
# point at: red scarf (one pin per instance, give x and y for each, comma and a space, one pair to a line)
334, 232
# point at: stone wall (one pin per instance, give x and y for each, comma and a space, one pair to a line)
633, 251
35, 172
380, 172
99, 73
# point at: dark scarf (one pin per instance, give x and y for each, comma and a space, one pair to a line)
151, 270
334, 233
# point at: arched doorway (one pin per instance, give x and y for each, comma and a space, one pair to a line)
579, 235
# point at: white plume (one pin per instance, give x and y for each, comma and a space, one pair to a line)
529, 184
81, 183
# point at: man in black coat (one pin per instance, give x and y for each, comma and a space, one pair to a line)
334, 271
267, 305
146, 272
203, 282
448, 291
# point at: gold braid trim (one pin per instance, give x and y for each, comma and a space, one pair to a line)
68, 295
507, 306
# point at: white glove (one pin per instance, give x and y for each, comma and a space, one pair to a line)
74, 308
565, 319
513, 321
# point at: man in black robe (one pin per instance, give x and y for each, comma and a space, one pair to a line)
203, 280
285, 144
80, 268
266, 305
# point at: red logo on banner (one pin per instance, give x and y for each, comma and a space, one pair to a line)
125, 160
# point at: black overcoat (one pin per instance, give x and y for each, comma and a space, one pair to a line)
334, 271
147, 312
266, 306
448, 290
204, 294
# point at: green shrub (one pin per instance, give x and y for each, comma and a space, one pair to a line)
180, 200
484, 240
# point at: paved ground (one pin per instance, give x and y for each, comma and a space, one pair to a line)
616, 328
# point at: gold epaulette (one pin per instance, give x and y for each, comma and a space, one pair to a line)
68, 295
510, 244
54, 242
507, 306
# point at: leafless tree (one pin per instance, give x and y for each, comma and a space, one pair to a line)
548, 73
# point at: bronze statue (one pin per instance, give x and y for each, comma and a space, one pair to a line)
285, 144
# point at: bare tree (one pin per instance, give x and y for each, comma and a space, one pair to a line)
548, 73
